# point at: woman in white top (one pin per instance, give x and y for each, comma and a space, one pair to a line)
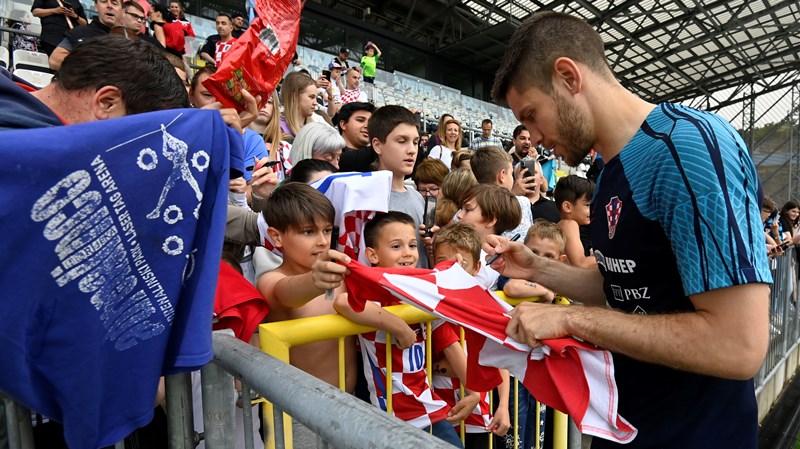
452, 143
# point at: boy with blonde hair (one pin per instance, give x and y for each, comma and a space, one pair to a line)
544, 239
462, 243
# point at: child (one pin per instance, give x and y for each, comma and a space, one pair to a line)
394, 134
461, 242
300, 221
544, 239
369, 62
490, 209
493, 165
391, 241
573, 196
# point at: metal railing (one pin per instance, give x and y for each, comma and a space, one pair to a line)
279, 337
784, 317
339, 418
342, 420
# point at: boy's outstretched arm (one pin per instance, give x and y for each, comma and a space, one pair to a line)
326, 272
375, 316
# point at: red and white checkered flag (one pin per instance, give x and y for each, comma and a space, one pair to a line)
566, 374
356, 198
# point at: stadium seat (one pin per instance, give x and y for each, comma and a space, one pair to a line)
36, 78
31, 60
4, 57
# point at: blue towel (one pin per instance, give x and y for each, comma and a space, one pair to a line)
112, 235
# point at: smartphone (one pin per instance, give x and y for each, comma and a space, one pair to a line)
530, 164
66, 4
429, 214
327, 74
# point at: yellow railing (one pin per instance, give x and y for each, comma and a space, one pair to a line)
277, 338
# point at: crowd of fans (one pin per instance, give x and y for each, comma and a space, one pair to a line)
311, 128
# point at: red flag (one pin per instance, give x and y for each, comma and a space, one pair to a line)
238, 305
566, 374
258, 58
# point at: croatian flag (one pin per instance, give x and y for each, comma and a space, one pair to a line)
356, 197
112, 243
566, 374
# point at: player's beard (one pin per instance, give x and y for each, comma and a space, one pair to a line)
573, 131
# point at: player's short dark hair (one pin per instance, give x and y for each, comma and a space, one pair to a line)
518, 130
385, 119
146, 80
294, 205
349, 109
372, 230
531, 54
487, 162
572, 188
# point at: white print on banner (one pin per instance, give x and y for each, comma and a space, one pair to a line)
615, 265
92, 250
176, 151
627, 294
98, 247
613, 210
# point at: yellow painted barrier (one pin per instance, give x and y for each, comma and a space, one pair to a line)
277, 338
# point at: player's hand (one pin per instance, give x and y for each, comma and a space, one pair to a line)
501, 422
516, 259
533, 322
463, 408
326, 272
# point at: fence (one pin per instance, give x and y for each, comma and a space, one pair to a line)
344, 421
783, 353
277, 339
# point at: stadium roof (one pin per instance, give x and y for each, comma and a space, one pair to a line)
662, 49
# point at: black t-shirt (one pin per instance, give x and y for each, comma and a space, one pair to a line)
545, 209
360, 159
55, 25
210, 46
86, 32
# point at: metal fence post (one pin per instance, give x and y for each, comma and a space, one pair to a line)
180, 418
219, 406
18, 424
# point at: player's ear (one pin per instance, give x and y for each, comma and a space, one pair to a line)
275, 235
372, 256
